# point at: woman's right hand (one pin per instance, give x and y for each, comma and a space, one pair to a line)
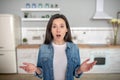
29, 67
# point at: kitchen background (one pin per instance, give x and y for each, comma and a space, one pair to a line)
85, 28
79, 13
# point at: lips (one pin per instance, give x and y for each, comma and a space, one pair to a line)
58, 35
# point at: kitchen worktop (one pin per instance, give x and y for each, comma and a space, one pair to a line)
23, 46
80, 46
98, 46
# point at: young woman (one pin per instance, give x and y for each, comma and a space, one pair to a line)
58, 57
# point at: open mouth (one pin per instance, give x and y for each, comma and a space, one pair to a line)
58, 35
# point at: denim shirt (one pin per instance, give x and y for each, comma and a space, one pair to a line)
45, 61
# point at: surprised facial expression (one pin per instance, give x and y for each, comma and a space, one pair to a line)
58, 29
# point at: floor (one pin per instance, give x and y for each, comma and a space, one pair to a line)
83, 77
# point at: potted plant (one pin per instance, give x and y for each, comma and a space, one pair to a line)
26, 15
25, 40
116, 24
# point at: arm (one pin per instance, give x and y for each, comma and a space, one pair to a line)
76, 74
39, 71
30, 68
86, 66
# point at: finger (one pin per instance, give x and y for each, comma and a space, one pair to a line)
93, 63
86, 60
25, 63
21, 66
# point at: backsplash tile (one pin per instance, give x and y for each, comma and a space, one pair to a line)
86, 35
34, 35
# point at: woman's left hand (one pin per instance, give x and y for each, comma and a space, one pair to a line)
86, 66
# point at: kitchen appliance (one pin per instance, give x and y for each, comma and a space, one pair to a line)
9, 39
100, 14
100, 60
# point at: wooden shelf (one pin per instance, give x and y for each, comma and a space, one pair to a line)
35, 19
40, 9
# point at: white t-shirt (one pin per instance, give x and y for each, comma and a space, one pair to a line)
59, 61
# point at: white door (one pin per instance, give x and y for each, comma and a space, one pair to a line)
7, 62
6, 33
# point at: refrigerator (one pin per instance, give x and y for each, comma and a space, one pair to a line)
10, 36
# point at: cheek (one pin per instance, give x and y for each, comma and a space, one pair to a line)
53, 33
64, 33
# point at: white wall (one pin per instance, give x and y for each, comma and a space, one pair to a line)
78, 12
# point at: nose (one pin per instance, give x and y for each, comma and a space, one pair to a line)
58, 29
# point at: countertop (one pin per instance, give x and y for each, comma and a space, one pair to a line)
23, 46
98, 46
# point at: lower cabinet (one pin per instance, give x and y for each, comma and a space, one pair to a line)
108, 59
28, 55
8, 62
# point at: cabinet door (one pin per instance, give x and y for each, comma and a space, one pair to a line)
84, 54
26, 55
114, 60
7, 62
6, 33
111, 55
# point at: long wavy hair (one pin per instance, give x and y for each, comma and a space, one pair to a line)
48, 34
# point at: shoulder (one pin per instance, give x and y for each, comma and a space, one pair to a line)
44, 46
72, 45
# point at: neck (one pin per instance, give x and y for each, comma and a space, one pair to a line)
59, 42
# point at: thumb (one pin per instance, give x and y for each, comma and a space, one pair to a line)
25, 63
86, 60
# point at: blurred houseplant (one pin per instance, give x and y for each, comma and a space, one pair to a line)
116, 24
26, 15
25, 40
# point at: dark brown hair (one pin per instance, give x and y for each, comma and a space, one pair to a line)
49, 36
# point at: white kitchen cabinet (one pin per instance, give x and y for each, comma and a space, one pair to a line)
28, 55
8, 62
114, 60
111, 56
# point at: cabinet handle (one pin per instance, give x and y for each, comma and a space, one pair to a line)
1, 47
1, 54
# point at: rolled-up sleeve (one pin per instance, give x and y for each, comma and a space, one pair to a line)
76, 74
39, 65
39, 75
77, 64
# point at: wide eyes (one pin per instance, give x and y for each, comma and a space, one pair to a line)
55, 26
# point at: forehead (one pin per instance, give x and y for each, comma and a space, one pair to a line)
58, 20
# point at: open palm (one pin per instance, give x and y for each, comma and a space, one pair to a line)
85, 66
